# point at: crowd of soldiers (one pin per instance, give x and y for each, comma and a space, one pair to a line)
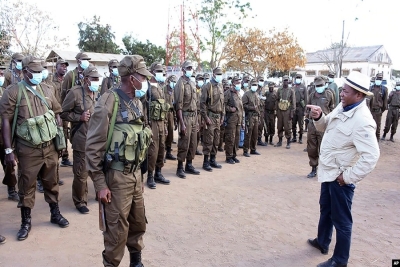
209, 111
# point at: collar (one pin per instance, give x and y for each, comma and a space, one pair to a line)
344, 115
352, 106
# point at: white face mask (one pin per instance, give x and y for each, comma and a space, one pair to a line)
193, 79
1, 81
254, 88
200, 83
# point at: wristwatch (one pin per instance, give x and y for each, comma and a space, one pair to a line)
8, 150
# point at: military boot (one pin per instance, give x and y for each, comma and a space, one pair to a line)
266, 140
313, 172
206, 164
260, 142
12, 193
383, 136
294, 139
279, 142
179, 171
136, 259
288, 143
214, 163
189, 168
159, 178
56, 216
270, 140
198, 152
168, 154
391, 138
300, 138
150, 180
230, 161
25, 223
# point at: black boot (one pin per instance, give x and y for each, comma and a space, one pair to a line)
206, 164
230, 161
136, 259
179, 171
294, 140
159, 178
266, 140
270, 140
279, 142
56, 216
288, 143
260, 142
39, 186
214, 163
383, 136
246, 153
150, 180
12, 193
198, 152
391, 138
168, 154
25, 223
300, 138
313, 172
254, 152
189, 168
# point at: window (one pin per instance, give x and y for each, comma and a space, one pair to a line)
310, 73
357, 69
345, 72
324, 72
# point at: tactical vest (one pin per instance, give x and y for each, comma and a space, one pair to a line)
127, 142
158, 109
35, 130
283, 104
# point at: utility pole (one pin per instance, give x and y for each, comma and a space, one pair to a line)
341, 52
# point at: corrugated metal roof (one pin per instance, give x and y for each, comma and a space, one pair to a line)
353, 54
95, 57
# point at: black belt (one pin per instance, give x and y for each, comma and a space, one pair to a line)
189, 113
376, 110
26, 143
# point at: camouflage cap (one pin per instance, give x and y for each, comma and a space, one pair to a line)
246, 78
32, 63
206, 75
82, 56
285, 78
132, 64
199, 77
62, 61
187, 64
298, 75
156, 67
113, 63
217, 70
17, 56
254, 81
172, 78
271, 84
260, 78
44, 64
331, 74
236, 79
319, 80
91, 71
372, 79
379, 75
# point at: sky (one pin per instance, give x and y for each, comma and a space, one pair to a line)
315, 23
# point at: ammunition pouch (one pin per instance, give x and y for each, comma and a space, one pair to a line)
158, 110
302, 104
59, 140
214, 115
283, 104
189, 113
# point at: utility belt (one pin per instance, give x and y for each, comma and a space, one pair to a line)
189, 113
158, 110
124, 167
376, 109
270, 111
28, 144
213, 115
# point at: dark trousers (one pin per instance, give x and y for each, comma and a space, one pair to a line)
392, 120
377, 118
298, 118
335, 210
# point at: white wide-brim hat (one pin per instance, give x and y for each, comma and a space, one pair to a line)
359, 82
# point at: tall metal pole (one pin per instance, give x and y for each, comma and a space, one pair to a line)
341, 52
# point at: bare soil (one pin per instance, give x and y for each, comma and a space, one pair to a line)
257, 213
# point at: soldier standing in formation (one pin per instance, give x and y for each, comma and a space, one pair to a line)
171, 116
261, 125
392, 117
233, 119
213, 112
200, 121
251, 107
186, 111
36, 152
158, 123
286, 106
324, 99
113, 79
270, 111
301, 100
379, 102
14, 74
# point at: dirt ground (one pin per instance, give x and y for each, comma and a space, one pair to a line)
257, 213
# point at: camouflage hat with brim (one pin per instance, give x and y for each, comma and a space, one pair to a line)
217, 71
156, 66
113, 63
82, 56
17, 56
32, 63
331, 74
236, 79
319, 80
187, 64
62, 61
199, 76
172, 78
379, 75
254, 81
133, 64
271, 84
298, 75
285, 78
206, 75
91, 71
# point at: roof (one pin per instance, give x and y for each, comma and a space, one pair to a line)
353, 54
70, 56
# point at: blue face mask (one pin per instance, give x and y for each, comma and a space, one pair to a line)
45, 74
18, 65
200, 83
193, 79
159, 77
172, 85
378, 82
320, 89
397, 87
94, 86
245, 85
261, 83
218, 78
115, 72
1, 81
188, 73
330, 80
141, 92
298, 81
238, 87
36, 78
254, 88
84, 64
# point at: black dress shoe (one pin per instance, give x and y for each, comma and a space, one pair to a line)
230, 161
331, 263
254, 152
236, 160
189, 168
180, 173
314, 243
83, 210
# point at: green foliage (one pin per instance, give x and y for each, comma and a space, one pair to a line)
149, 51
94, 37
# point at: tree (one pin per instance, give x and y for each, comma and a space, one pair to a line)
214, 16
30, 30
97, 38
253, 51
174, 49
333, 56
5, 44
150, 52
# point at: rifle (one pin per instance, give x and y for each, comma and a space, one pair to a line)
102, 217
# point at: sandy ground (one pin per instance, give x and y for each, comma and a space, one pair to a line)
256, 213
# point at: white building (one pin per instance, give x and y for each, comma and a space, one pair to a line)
368, 60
